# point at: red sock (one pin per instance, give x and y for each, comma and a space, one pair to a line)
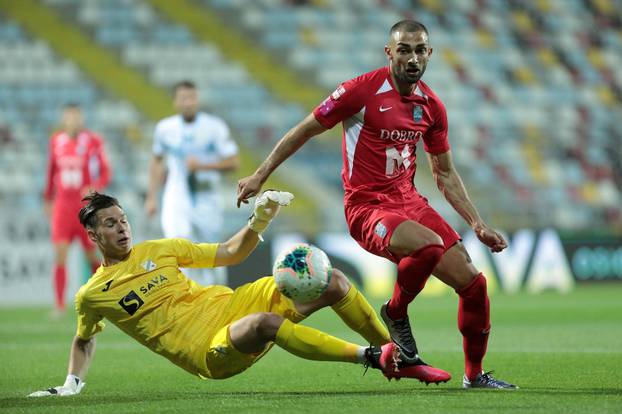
412, 273
474, 323
60, 282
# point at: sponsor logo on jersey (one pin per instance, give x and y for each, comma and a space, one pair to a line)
107, 286
338, 92
327, 106
155, 282
380, 230
131, 302
400, 135
148, 265
383, 109
417, 113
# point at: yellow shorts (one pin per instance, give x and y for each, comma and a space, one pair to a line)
223, 360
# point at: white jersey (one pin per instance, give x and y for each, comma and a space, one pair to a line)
191, 204
207, 138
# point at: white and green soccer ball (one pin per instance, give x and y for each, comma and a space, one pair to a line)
302, 272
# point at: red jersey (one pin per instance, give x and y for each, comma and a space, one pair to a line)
75, 165
381, 129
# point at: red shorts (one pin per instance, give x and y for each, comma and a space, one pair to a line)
373, 221
65, 225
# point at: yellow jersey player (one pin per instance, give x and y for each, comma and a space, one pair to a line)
213, 331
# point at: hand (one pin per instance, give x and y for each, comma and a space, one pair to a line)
269, 203
193, 164
266, 208
151, 206
73, 385
490, 238
248, 187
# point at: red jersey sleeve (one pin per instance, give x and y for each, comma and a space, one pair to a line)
435, 139
344, 102
48, 191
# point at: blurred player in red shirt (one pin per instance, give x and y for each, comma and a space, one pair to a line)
77, 165
385, 113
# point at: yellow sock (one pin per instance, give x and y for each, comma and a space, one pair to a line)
309, 343
358, 314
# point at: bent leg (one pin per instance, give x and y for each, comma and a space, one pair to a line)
338, 288
351, 306
253, 333
456, 270
418, 250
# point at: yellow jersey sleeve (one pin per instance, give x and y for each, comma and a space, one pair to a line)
88, 323
191, 254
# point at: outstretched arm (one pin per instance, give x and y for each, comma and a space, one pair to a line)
238, 247
289, 144
450, 184
81, 355
79, 361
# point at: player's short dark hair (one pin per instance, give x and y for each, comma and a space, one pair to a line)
186, 84
95, 202
408, 26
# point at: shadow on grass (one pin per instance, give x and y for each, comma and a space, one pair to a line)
111, 399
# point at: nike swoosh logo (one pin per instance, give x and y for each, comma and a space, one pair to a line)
381, 109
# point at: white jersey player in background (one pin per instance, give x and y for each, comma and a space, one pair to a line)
198, 148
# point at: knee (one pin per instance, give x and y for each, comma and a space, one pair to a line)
435, 250
432, 252
266, 325
474, 287
338, 287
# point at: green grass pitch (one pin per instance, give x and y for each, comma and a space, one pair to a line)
564, 351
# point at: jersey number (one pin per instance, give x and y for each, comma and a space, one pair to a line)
71, 177
396, 160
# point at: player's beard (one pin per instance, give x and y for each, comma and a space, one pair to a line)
409, 78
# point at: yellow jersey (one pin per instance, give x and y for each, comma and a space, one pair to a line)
150, 299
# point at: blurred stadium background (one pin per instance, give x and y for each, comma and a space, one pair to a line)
533, 91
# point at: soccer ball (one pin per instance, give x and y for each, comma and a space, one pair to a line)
302, 272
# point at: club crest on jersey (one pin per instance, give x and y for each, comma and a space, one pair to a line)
338, 92
417, 113
148, 265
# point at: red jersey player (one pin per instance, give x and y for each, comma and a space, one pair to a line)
77, 164
384, 114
